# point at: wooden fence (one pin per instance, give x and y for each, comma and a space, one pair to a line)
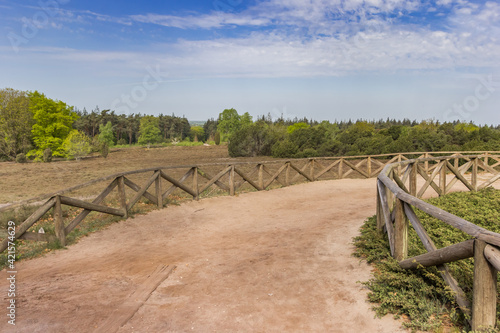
400, 186
197, 180
397, 194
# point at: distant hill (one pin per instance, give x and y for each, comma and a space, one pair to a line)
197, 122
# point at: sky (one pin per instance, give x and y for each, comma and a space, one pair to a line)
320, 59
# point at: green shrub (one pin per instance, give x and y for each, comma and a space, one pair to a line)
47, 155
21, 158
421, 294
217, 138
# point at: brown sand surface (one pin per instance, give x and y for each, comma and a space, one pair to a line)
271, 261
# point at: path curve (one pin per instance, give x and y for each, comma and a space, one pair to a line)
271, 261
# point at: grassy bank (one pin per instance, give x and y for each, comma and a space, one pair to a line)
420, 295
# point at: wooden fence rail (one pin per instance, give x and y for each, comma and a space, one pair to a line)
398, 193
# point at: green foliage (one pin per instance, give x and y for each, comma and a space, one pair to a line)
421, 294
16, 120
21, 158
77, 145
217, 138
47, 155
53, 123
292, 128
252, 140
229, 122
104, 149
149, 130
196, 133
106, 133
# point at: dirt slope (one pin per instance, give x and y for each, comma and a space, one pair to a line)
274, 261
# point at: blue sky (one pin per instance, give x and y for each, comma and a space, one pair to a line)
322, 59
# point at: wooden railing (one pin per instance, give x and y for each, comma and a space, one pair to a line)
400, 186
195, 181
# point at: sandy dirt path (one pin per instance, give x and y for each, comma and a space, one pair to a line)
273, 261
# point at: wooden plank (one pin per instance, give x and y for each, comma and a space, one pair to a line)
59, 222
143, 190
301, 172
37, 236
275, 176
413, 178
492, 254
178, 183
215, 179
29, 221
231, 181
484, 299
328, 168
457, 174
298, 175
248, 179
455, 221
137, 188
128, 308
486, 167
400, 182
195, 183
400, 232
441, 256
122, 196
355, 168
172, 188
90, 206
387, 215
158, 192
261, 175
76, 221
429, 180
460, 296
489, 182
207, 176
474, 173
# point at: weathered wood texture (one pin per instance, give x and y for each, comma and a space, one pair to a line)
397, 187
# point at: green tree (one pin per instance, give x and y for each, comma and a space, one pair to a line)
292, 128
106, 133
16, 121
196, 133
228, 123
149, 132
77, 145
53, 123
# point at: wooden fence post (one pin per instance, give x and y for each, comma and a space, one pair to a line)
369, 166
413, 179
122, 195
442, 178
58, 221
261, 176
311, 161
400, 232
484, 299
287, 174
231, 181
426, 163
159, 196
341, 166
474, 173
380, 215
195, 183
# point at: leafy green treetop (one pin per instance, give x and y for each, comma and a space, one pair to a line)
53, 123
149, 130
106, 134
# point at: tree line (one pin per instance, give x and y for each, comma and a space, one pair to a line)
35, 126
300, 138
